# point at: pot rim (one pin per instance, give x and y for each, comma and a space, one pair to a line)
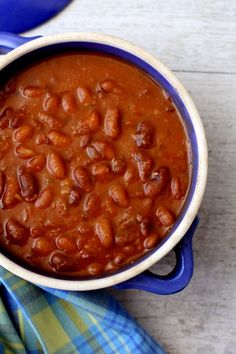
201, 178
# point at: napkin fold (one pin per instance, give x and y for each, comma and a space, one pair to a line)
43, 320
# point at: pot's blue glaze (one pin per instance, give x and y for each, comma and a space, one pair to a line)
182, 273
21, 15
10, 41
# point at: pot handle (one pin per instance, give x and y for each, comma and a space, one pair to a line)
10, 41
177, 279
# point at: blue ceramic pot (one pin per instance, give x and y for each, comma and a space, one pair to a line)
20, 51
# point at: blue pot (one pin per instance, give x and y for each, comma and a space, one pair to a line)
20, 51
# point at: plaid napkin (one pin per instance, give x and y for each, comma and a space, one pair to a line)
40, 320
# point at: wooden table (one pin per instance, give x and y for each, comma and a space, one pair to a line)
197, 40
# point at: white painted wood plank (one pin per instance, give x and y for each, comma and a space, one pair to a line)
201, 319
184, 34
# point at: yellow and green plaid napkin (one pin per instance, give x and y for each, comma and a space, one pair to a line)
36, 320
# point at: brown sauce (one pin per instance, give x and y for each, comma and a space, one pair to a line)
94, 165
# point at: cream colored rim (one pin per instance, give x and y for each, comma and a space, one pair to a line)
182, 228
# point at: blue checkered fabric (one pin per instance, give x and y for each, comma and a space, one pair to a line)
39, 320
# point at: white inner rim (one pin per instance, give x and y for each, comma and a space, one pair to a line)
201, 177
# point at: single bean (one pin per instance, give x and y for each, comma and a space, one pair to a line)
17, 119
23, 133
158, 183
129, 249
82, 179
110, 267
93, 121
23, 152
104, 150
112, 123
91, 248
42, 246
80, 128
55, 165
74, 197
44, 198
58, 139
67, 186
37, 231
109, 206
119, 258
92, 205
10, 196
110, 86
84, 95
36, 163
176, 188
93, 153
84, 228
28, 186
16, 233
139, 218
165, 217
144, 164
107, 151
54, 231
119, 195
152, 188
61, 262
66, 244
103, 229
61, 206
68, 102
151, 241
80, 242
40, 139
130, 175
118, 166
2, 182
51, 103
5, 118
144, 135
124, 238
51, 121
145, 226
84, 141
101, 171
33, 92
127, 231
95, 268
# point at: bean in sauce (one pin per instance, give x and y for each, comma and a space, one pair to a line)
95, 164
